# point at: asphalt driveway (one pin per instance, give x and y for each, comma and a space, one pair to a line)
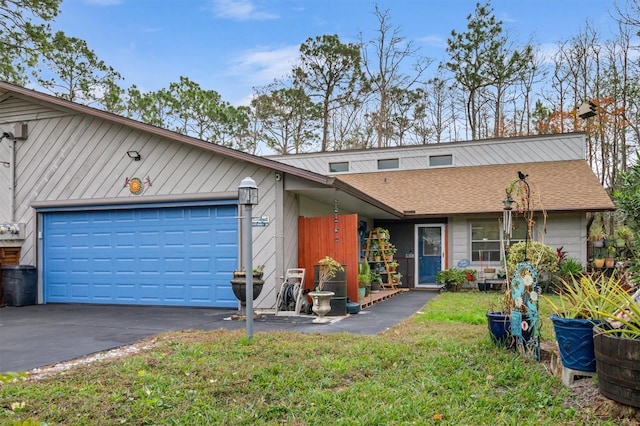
39, 335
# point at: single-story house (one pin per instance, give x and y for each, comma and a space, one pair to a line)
115, 211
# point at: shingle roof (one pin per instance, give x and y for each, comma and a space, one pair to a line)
555, 186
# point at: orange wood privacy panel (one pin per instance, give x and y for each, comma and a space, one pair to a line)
317, 239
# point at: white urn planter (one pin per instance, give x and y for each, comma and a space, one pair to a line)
321, 304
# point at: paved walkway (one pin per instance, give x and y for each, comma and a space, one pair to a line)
39, 335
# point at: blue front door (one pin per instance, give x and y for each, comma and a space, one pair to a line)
179, 256
430, 252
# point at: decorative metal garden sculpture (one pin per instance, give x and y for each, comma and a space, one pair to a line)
524, 316
525, 320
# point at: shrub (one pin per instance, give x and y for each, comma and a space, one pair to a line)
541, 256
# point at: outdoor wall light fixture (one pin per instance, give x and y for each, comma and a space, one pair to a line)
7, 135
135, 155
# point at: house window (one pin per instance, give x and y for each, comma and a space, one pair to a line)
339, 167
485, 239
391, 163
440, 160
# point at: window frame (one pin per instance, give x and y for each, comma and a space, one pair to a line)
519, 234
394, 163
341, 163
449, 156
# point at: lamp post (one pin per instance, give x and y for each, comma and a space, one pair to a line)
248, 197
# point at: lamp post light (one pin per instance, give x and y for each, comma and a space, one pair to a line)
248, 197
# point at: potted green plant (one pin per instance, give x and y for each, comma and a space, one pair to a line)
389, 251
471, 274
598, 257
581, 298
623, 235
239, 283
393, 266
617, 341
617, 349
376, 282
383, 233
452, 278
610, 260
364, 279
568, 268
374, 251
327, 269
597, 234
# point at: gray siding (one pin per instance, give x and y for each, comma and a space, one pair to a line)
5, 180
486, 152
81, 158
567, 230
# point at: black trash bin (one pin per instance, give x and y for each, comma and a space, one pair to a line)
19, 285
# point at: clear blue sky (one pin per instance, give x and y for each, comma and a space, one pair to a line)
232, 46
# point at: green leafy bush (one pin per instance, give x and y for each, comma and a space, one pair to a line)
541, 256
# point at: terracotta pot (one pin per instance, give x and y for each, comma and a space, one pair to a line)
598, 263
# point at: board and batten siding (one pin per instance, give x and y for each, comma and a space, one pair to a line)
566, 230
71, 156
467, 153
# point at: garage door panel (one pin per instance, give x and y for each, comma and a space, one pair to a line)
161, 256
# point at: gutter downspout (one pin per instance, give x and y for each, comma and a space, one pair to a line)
12, 182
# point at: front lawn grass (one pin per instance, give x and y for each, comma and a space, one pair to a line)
437, 367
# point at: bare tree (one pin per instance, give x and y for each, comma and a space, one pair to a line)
383, 61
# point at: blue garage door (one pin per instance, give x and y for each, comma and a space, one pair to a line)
179, 256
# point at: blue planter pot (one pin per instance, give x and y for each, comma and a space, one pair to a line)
575, 342
499, 326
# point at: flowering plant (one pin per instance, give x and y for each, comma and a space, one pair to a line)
327, 270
